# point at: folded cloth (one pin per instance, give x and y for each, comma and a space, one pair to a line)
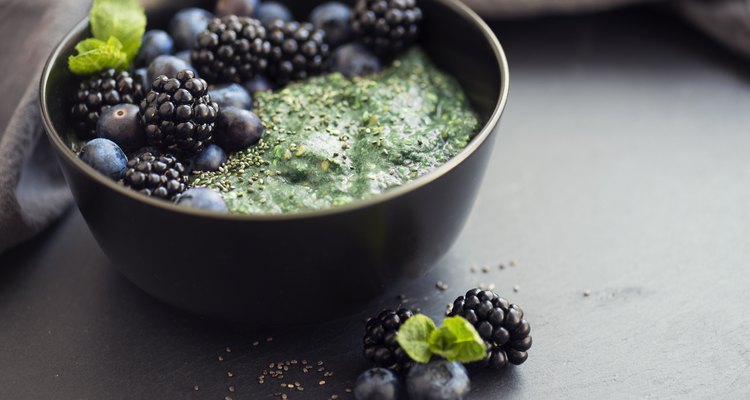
32, 190
727, 21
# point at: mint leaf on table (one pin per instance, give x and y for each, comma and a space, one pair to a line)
457, 340
95, 55
122, 19
413, 336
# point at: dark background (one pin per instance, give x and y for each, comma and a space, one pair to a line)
621, 171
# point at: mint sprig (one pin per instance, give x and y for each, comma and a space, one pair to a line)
118, 27
455, 340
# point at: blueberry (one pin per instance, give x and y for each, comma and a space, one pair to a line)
184, 56
202, 198
154, 43
186, 25
438, 380
268, 11
231, 95
354, 60
237, 129
167, 65
106, 157
210, 159
120, 125
333, 19
240, 8
141, 76
376, 384
258, 84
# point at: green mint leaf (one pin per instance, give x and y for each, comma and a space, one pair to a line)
457, 340
413, 337
97, 56
121, 19
89, 44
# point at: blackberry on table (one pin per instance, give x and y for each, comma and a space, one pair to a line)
298, 51
499, 323
97, 94
178, 115
231, 49
158, 176
381, 347
386, 26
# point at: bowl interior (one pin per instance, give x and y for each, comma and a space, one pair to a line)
453, 36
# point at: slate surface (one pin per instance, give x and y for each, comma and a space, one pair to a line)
622, 169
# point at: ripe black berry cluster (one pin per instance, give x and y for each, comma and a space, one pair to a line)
386, 26
159, 176
298, 51
231, 49
178, 116
381, 347
499, 323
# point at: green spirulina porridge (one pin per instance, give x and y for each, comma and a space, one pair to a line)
331, 140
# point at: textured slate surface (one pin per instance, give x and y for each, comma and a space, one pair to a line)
622, 169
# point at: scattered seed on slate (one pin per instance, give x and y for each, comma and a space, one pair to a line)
485, 269
228, 350
502, 266
441, 285
516, 288
256, 343
269, 339
586, 293
513, 262
196, 388
230, 375
221, 358
321, 383
472, 270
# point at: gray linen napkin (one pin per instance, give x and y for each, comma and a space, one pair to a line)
32, 190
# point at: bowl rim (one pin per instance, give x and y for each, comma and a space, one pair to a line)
458, 7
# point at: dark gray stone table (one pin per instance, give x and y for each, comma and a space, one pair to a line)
622, 172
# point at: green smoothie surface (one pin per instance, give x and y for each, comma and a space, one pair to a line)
331, 140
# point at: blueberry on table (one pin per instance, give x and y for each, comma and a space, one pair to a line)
354, 60
210, 159
202, 198
186, 25
240, 8
238, 129
154, 43
168, 66
105, 156
258, 84
376, 384
268, 11
333, 19
438, 380
120, 124
231, 95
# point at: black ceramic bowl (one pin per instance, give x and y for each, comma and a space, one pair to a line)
297, 267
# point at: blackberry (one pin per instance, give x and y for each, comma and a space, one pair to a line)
231, 49
298, 51
381, 347
178, 115
499, 323
386, 26
158, 176
99, 93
